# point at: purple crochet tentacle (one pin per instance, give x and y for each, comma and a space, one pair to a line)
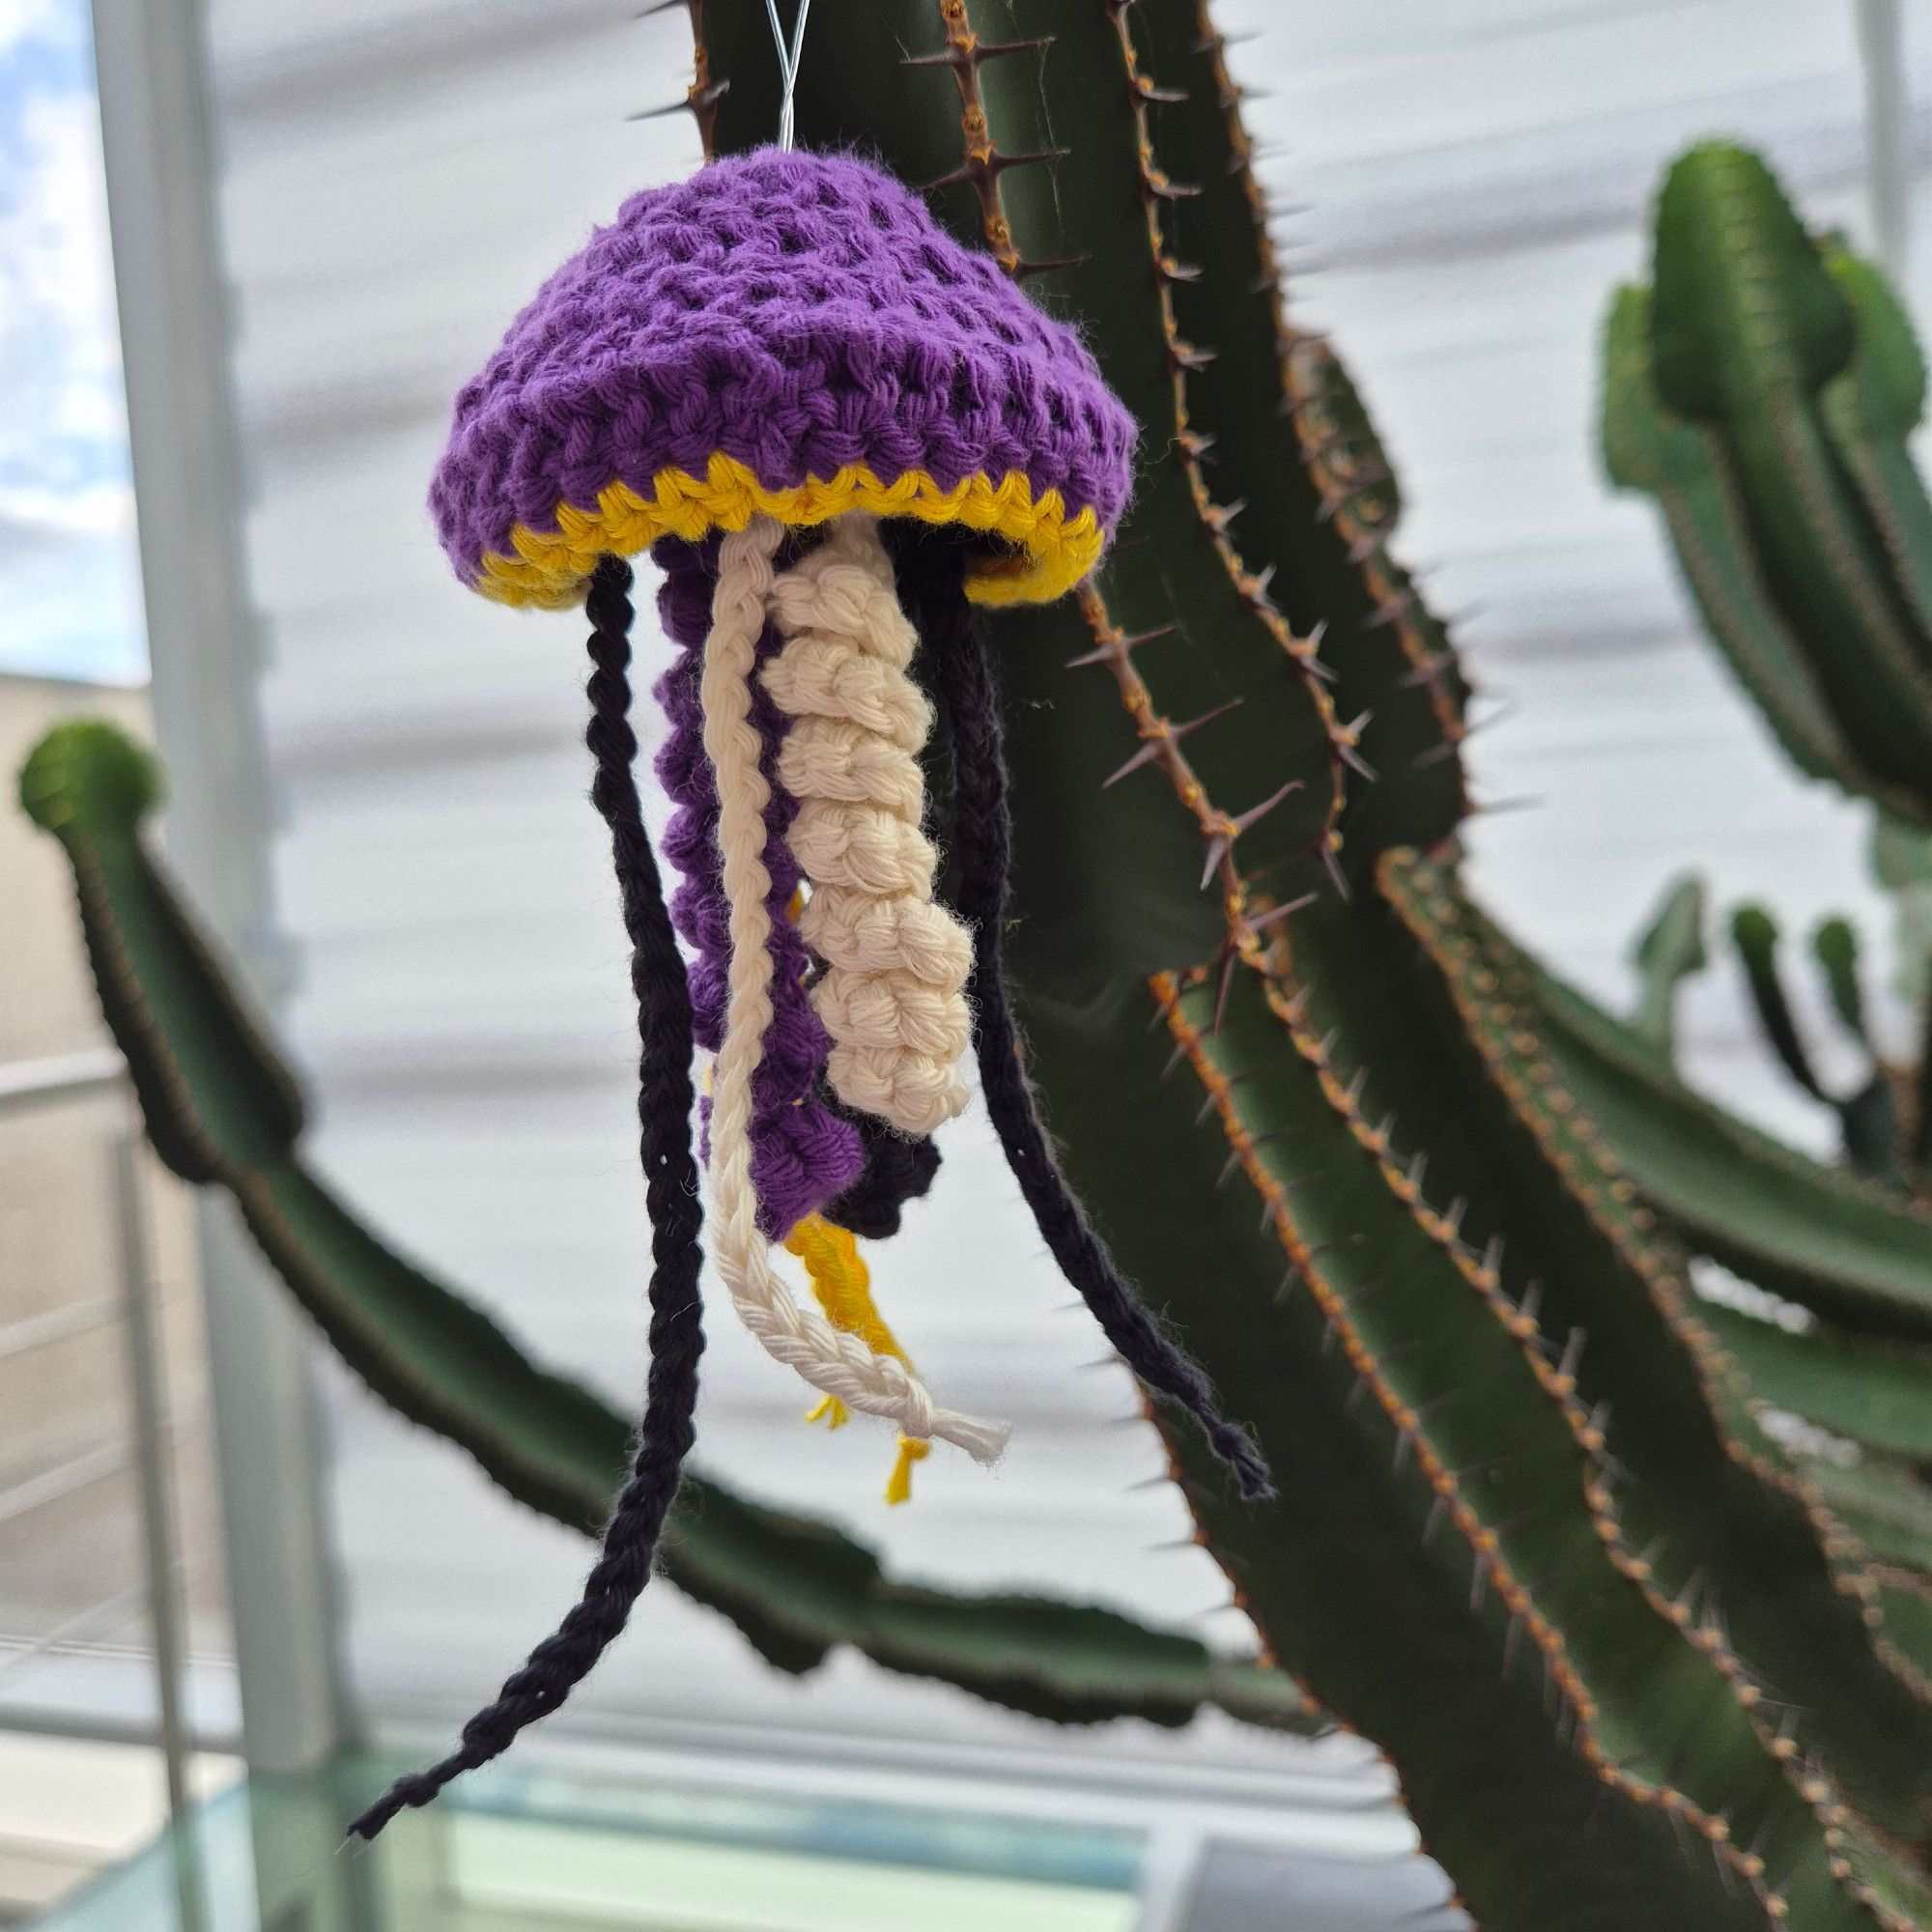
802, 1153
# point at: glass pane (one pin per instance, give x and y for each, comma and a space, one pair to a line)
537, 1853
75, 1654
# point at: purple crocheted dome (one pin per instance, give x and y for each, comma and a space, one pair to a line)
785, 333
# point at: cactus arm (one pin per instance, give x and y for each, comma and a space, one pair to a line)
1878, 1396
1906, 1596
1847, 1248
1901, 861
1746, 327
1874, 1393
222, 1109
1887, 1504
1754, 940
1275, 762
1282, 429
1704, 515
1894, 1781
1683, 466
1869, 412
1882, 1122
1774, 1176
1919, 1112
1669, 952
1398, 668
1431, 1458
1835, 945
91, 786
1710, 1491
1887, 1124
1704, 520
1869, 1123
796, 1589
1072, 1664
1887, 360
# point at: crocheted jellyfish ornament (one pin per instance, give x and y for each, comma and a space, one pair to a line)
762, 374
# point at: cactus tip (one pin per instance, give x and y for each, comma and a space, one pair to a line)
87, 773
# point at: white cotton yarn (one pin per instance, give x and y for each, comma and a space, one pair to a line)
833, 1363
893, 996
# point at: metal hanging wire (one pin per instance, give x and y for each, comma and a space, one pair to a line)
788, 65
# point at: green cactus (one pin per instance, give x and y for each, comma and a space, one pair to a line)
1299, 1069
1881, 1114
1763, 394
1751, 332
1901, 861
1533, 1535
1669, 951
1847, 1348
1878, 1115
221, 1109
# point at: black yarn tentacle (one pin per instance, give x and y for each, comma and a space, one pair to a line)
623, 1566
897, 1169
981, 843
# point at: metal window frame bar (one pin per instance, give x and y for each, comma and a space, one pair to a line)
157, 140
153, 1467
1881, 27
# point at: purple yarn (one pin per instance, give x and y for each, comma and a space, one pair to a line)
802, 1153
798, 312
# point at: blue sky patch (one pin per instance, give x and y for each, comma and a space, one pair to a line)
69, 587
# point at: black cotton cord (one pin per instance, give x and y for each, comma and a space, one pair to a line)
982, 845
623, 1567
899, 1168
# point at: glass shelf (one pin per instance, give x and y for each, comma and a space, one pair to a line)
512, 1851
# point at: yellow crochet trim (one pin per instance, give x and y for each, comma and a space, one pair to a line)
552, 567
844, 1285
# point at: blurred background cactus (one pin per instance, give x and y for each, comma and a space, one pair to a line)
1633, 1588
1762, 391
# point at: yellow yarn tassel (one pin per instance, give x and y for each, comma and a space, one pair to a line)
898, 1485
844, 1285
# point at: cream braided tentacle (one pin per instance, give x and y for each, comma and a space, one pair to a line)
894, 995
835, 1363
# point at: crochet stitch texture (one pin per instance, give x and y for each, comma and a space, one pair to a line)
803, 1153
835, 1362
785, 333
